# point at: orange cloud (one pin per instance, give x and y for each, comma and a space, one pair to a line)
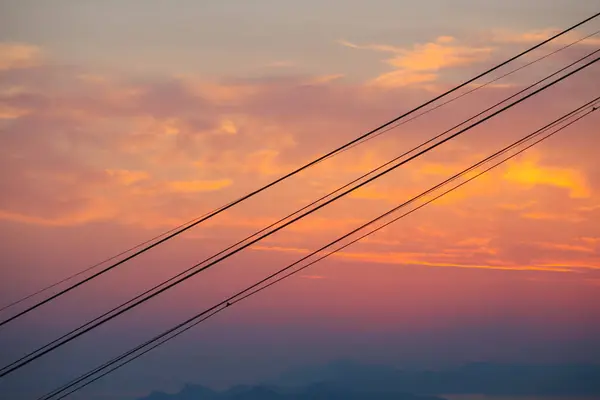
575, 265
280, 249
425, 259
591, 240
198, 186
421, 63
401, 78
97, 209
15, 56
11, 112
264, 162
127, 177
529, 172
438, 169
551, 217
567, 247
537, 36
372, 193
228, 127
589, 208
320, 80
443, 53
407, 259
475, 241
153, 154
518, 207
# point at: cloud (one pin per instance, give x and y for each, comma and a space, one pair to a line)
536, 36
16, 56
518, 207
591, 240
438, 169
198, 186
152, 153
530, 172
69, 219
11, 112
434, 56
280, 64
426, 261
128, 177
401, 78
228, 127
590, 208
320, 80
281, 249
551, 217
474, 241
447, 259
567, 247
421, 63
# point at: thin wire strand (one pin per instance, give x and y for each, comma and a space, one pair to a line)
8, 370
231, 301
341, 151
68, 278
473, 90
312, 163
158, 286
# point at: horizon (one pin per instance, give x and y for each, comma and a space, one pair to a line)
120, 120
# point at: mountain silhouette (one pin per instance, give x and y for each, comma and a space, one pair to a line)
476, 378
320, 391
189, 392
355, 381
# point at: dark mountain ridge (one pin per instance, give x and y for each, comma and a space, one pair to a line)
355, 381
476, 378
323, 391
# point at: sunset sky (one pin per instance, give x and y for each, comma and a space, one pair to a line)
121, 119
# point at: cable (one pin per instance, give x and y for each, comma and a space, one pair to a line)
473, 90
289, 216
70, 277
284, 218
342, 151
230, 301
195, 272
16, 365
294, 172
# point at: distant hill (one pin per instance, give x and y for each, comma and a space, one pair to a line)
322, 391
477, 378
355, 381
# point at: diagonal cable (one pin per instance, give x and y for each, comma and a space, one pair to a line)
294, 172
236, 298
17, 365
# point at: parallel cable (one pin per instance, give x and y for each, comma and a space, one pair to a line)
234, 299
511, 72
75, 275
46, 288
12, 367
294, 172
148, 291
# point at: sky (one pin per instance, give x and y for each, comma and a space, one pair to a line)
120, 120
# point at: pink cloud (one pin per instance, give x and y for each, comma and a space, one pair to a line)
18, 55
155, 153
420, 65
